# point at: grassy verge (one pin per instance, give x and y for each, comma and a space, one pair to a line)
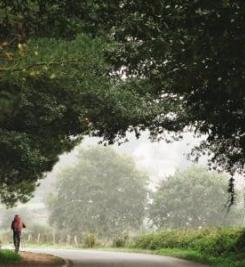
8, 256
218, 247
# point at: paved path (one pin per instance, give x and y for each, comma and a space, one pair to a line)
93, 258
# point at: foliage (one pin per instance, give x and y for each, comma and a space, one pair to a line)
52, 19
103, 193
183, 64
219, 247
194, 197
55, 88
189, 53
45, 92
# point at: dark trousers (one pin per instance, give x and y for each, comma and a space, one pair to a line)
16, 238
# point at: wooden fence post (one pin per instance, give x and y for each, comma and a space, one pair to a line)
38, 237
75, 240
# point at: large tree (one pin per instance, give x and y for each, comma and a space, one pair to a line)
44, 90
54, 88
194, 197
191, 52
183, 62
189, 55
102, 193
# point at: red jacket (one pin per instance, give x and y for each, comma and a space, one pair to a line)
17, 225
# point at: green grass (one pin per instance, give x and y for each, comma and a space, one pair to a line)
8, 256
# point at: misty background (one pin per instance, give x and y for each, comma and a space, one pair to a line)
159, 161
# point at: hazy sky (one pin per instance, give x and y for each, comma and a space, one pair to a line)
158, 159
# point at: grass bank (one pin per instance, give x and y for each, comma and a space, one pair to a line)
218, 247
8, 256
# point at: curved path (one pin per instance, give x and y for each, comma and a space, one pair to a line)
93, 258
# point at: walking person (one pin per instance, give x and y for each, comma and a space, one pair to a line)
17, 226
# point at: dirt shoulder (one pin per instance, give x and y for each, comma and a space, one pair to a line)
43, 259
37, 260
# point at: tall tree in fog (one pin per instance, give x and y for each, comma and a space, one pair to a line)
192, 198
103, 193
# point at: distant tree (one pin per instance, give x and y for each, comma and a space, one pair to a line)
192, 198
102, 193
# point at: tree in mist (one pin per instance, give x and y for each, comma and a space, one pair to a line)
192, 198
102, 193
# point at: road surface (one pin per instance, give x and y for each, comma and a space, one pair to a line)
93, 258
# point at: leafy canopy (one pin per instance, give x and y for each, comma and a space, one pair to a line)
43, 116
54, 88
189, 56
183, 61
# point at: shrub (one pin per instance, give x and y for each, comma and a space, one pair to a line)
213, 241
120, 241
219, 241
